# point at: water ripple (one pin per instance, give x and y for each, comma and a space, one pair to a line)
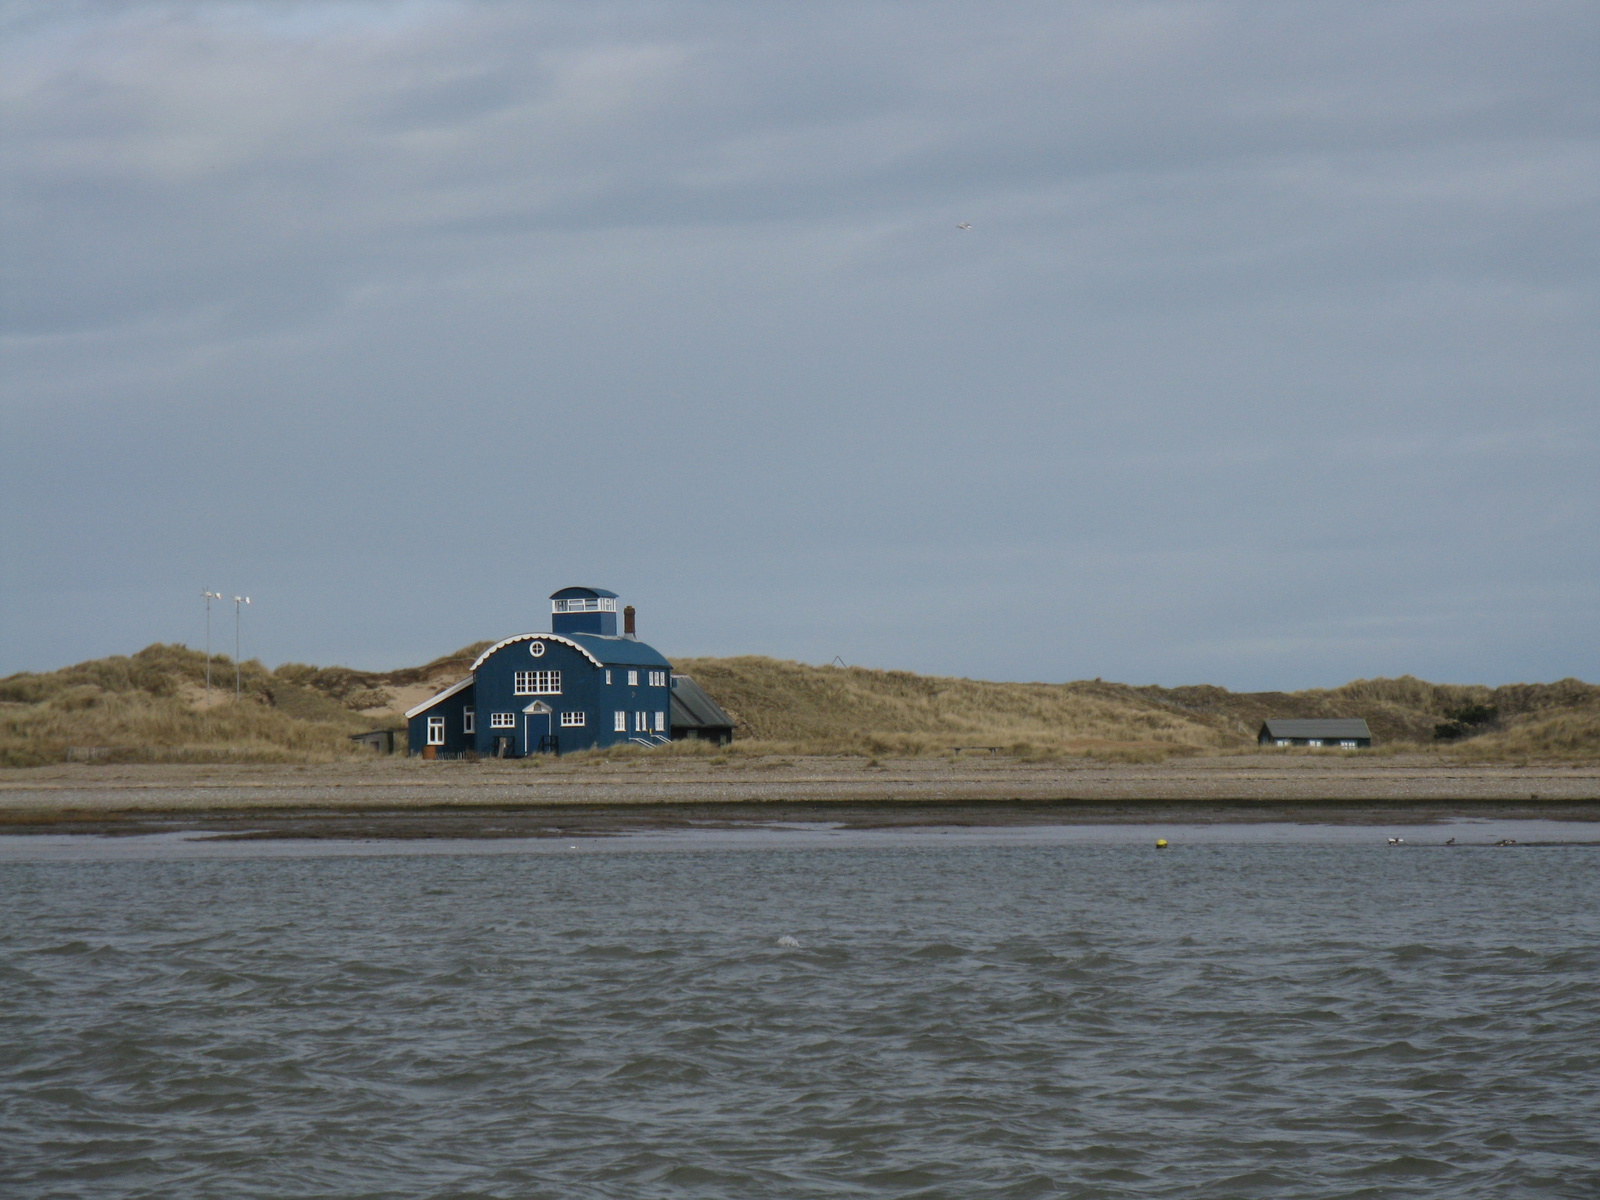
1271, 1021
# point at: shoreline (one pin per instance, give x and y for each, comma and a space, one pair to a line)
406, 798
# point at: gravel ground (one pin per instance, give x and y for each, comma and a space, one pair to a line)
407, 797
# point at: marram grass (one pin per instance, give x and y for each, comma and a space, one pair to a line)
150, 707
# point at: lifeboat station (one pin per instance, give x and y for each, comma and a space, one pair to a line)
580, 686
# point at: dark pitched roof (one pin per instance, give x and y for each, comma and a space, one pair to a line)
1325, 727
619, 651
568, 593
693, 709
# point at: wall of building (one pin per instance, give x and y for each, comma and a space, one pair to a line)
584, 688
453, 710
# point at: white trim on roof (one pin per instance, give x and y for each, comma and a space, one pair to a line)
444, 695
528, 637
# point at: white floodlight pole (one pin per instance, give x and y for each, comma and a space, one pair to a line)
238, 603
210, 596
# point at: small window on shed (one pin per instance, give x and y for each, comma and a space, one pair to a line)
435, 731
608, 676
1347, 745
469, 720
1283, 742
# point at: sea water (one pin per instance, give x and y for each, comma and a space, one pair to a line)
807, 1014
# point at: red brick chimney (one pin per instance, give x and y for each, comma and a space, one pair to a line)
628, 629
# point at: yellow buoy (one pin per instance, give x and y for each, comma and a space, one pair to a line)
1161, 843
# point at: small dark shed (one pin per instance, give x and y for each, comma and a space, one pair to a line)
697, 715
379, 741
1341, 733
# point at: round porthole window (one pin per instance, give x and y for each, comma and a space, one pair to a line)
536, 648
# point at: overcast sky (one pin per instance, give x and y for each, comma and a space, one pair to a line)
1269, 359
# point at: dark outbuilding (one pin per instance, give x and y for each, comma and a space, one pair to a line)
696, 715
379, 741
1340, 733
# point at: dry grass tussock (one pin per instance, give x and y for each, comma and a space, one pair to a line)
854, 710
125, 727
148, 707
805, 709
1573, 734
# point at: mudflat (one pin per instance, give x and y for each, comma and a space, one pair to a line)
398, 797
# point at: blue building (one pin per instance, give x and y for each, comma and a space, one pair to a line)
579, 686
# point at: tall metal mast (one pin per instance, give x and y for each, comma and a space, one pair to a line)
210, 596
238, 603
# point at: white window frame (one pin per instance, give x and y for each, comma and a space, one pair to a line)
608, 676
578, 604
1283, 742
641, 722
633, 679
574, 720
435, 731
469, 720
620, 724
1347, 744
658, 679
661, 722
536, 683
502, 720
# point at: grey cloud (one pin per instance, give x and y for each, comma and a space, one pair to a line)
1267, 359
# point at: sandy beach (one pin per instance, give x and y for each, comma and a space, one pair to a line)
409, 798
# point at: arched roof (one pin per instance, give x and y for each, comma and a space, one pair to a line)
530, 637
601, 649
567, 593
